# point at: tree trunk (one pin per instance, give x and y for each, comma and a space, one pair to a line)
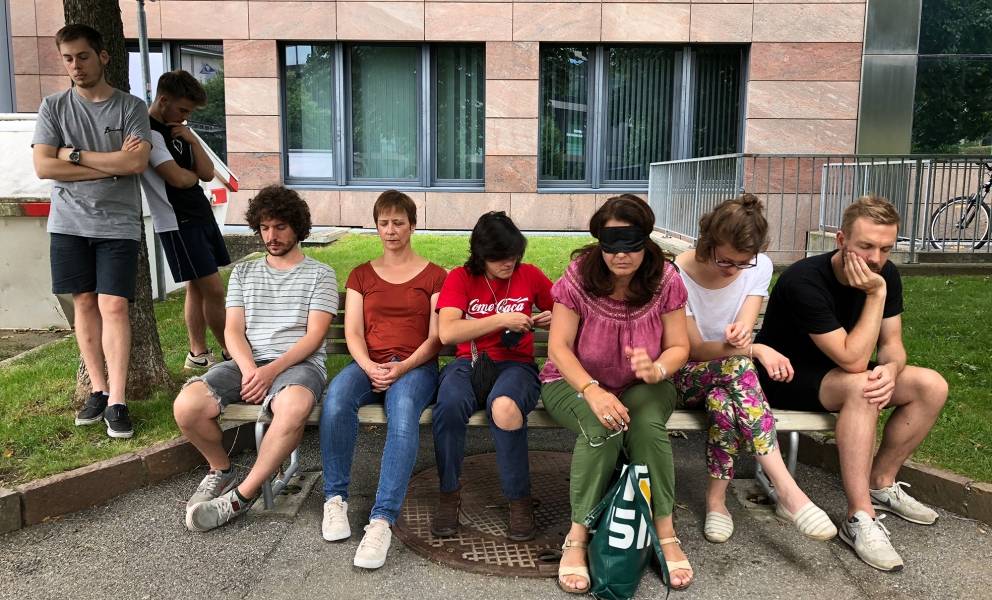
147, 370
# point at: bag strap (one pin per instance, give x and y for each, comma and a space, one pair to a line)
593, 515
642, 504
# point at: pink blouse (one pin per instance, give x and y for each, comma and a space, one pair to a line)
607, 325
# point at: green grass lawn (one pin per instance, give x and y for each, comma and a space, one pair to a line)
944, 330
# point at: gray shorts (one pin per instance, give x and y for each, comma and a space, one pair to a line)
224, 382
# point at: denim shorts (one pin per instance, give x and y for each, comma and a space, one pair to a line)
224, 382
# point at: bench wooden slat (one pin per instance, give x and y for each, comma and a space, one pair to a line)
681, 420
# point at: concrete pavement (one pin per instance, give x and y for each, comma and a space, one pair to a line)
137, 547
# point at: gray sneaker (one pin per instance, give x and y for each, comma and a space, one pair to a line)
371, 553
214, 513
216, 483
896, 501
870, 540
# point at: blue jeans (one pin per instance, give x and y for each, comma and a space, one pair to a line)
404, 401
456, 403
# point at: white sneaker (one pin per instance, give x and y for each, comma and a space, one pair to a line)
335, 525
896, 501
870, 540
371, 553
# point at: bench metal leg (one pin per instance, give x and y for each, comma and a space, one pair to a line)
791, 456
266, 486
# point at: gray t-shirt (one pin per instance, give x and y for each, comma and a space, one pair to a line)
278, 303
163, 215
101, 208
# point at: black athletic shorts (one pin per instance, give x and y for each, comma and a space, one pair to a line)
194, 251
803, 392
101, 265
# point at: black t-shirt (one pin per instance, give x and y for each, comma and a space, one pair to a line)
808, 299
191, 204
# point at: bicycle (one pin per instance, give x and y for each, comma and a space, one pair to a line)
963, 220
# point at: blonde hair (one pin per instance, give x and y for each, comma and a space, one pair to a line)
739, 222
874, 208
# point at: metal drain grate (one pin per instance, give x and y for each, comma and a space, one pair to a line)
481, 545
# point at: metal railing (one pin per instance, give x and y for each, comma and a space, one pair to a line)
805, 197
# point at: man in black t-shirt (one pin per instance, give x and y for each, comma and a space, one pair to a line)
195, 247
829, 315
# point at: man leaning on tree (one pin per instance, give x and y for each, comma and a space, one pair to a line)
93, 140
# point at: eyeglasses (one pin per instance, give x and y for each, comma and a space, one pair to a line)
597, 440
727, 264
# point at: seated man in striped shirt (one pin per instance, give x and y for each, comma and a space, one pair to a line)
279, 308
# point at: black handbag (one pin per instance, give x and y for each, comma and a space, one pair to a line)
483, 376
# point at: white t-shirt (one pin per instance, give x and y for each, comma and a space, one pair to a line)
715, 309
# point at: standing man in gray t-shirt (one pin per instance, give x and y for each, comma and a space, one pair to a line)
94, 140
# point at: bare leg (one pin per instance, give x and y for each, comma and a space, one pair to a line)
212, 292
786, 488
196, 326
196, 413
89, 334
919, 396
716, 495
855, 431
290, 409
575, 557
116, 343
506, 415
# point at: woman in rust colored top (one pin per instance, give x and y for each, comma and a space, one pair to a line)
391, 330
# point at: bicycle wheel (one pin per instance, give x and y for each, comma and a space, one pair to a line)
959, 224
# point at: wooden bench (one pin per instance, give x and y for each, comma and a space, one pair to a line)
681, 420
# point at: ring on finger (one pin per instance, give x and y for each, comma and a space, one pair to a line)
607, 417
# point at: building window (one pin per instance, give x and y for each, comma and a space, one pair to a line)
355, 114
608, 112
952, 108
203, 60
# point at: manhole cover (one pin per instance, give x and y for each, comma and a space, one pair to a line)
481, 545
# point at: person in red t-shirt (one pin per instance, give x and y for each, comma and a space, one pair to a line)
391, 329
489, 304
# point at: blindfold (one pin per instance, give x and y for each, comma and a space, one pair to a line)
621, 239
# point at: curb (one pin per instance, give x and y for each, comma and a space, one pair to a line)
43, 499
937, 487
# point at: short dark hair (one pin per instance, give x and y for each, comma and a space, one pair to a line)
392, 200
494, 237
739, 222
179, 84
278, 202
596, 277
77, 31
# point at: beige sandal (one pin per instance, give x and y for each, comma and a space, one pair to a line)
677, 565
574, 571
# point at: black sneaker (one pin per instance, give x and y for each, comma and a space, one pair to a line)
118, 421
92, 411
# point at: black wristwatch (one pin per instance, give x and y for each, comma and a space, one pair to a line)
74, 156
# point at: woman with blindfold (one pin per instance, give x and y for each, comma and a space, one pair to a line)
618, 331
727, 279
486, 308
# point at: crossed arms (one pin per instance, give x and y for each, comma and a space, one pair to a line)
51, 162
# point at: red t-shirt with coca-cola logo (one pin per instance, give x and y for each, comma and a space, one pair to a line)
527, 287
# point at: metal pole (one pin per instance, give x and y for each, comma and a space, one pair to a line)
147, 84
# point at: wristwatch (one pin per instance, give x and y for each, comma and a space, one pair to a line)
74, 157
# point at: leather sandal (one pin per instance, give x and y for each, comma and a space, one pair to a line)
677, 565
573, 571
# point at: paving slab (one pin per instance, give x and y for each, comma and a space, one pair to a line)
139, 542
10, 510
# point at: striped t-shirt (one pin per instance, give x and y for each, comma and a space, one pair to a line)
277, 304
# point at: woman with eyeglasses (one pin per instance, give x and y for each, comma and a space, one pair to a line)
486, 308
618, 330
727, 279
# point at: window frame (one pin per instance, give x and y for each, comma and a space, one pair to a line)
684, 85
341, 123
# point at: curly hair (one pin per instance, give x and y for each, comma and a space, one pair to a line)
278, 202
739, 222
494, 237
596, 277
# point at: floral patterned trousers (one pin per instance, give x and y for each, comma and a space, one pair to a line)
739, 416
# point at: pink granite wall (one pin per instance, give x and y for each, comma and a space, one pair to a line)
802, 93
